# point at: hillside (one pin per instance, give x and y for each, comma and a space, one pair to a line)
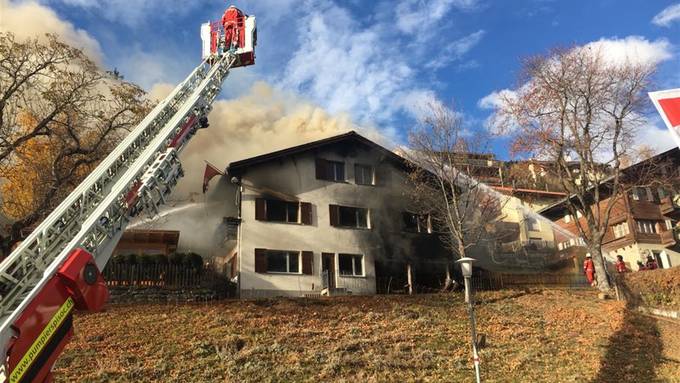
532, 336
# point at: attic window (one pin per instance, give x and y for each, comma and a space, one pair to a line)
330, 170
363, 174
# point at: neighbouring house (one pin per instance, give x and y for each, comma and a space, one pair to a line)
333, 214
642, 223
526, 240
148, 242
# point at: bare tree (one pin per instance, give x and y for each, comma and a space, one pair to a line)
59, 116
460, 207
580, 111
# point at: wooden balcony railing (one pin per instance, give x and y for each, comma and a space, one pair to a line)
666, 204
667, 238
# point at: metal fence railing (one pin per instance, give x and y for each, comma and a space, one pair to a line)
498, 281
161, 275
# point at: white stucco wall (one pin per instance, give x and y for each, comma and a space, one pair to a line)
639, 251
296, 176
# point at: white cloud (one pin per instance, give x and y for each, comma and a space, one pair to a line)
361, 69
347, 68
416, 101
30, 20
633, 49
414, 14
455, 50
495, 99
667, 16
131, 12
653, 134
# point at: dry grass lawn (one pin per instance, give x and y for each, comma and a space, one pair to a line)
532, 336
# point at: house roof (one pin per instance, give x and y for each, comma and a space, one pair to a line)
558, 206
529, 191
237, 167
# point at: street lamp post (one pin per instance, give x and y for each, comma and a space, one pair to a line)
466, 270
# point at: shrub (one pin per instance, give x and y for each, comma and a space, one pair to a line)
194, 260
160, 259
147, 259
118, 259
176, 258
131, 259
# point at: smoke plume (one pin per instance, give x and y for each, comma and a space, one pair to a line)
261, 121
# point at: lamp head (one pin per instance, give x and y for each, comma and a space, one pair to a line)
466, 266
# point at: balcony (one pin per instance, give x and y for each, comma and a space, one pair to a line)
667, 205
667, 238
529, 246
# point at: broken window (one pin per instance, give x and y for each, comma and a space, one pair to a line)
349, 217
351, 264
283, 211
417, 223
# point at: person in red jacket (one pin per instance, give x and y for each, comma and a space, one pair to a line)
620, 265
589, 269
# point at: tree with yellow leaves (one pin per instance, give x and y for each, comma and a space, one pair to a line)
59, 116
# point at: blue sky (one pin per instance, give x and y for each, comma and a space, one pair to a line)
378, 61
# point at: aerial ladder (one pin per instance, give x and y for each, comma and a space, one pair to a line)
57, 268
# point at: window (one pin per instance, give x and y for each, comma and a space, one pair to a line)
417, 223
620, 230
532, 224
351, 264
645, 226
282, 211
650, 194
273, 210
283, 261
336, 170
345, 216
662, 193
330, 170
363, 174
634, 194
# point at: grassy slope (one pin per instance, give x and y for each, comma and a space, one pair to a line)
655, 288
550, 336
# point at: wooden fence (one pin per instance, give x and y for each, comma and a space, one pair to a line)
498, 281
162, 275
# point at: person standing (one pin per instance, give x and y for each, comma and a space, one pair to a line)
589, 269
620, 265
651, 263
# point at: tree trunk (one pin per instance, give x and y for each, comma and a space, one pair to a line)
409, 277
448, 281
600, 269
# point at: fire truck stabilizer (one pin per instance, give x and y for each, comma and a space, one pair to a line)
56, 269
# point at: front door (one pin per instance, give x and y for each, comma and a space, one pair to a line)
328, 267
